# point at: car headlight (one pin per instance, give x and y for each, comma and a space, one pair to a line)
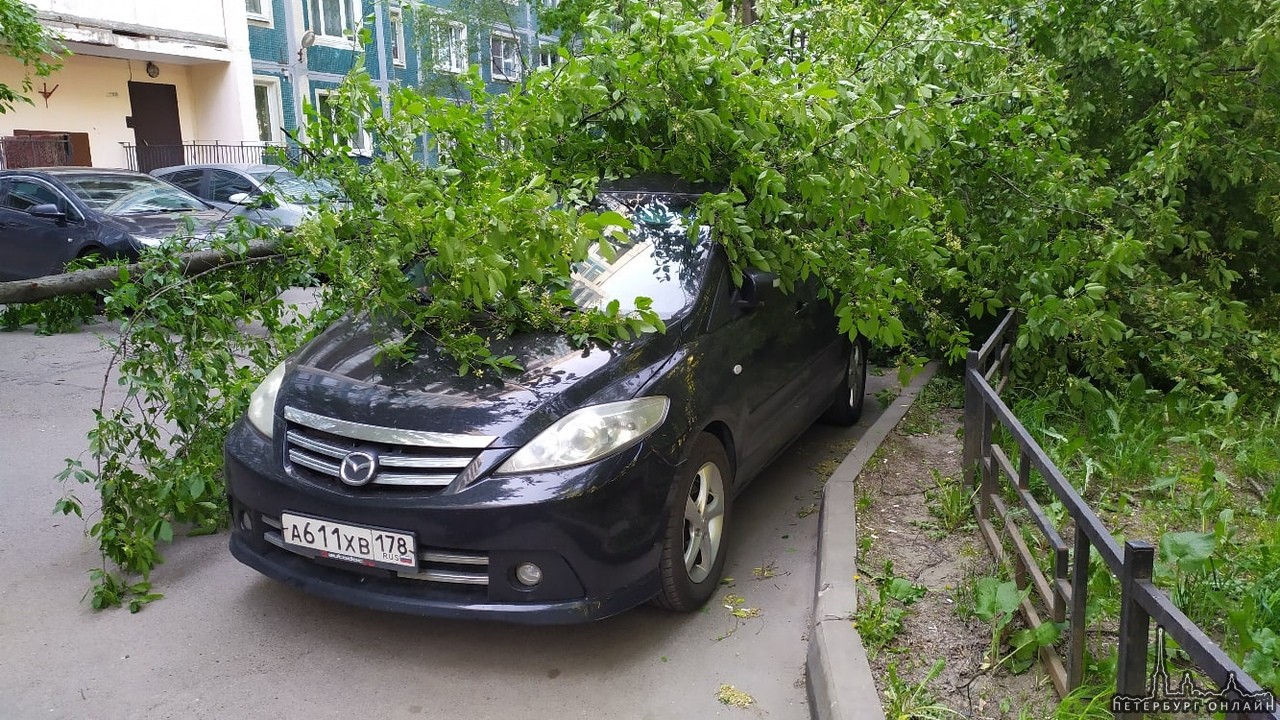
262, 404
589, 434
148, 241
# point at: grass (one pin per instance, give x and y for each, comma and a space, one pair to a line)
1199, 478
907, 701
922, 417
950, 502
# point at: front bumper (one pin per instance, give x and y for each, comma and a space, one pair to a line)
595, 531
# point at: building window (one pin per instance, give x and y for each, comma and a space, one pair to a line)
266, 105
397, 38
332, 18
548, 56
504, 53
327, 108
258, 10
449, 41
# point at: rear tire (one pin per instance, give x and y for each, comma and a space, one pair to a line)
848, 399
696, 540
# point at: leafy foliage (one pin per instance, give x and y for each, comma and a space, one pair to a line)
28, 42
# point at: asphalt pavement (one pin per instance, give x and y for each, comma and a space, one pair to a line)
226, 642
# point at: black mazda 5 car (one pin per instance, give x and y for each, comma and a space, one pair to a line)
592, 481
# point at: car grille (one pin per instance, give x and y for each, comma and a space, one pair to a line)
315, 446
439, 565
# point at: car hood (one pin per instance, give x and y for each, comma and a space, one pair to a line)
163, 225
340, 375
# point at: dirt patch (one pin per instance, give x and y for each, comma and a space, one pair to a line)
899, 536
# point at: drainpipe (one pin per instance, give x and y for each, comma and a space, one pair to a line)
380, 42
296, 68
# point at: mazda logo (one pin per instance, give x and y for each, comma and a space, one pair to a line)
358, 467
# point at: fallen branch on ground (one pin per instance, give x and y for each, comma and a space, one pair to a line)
102, 278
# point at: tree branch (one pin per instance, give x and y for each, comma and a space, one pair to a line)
101, 278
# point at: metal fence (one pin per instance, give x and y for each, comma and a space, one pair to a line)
149, 157
29, 151
1064, 596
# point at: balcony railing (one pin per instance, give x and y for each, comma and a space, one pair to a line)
146, 158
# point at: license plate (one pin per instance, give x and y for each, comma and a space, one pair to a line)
358, 544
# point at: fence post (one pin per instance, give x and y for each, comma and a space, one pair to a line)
1079, 609
972, 421
1135, 624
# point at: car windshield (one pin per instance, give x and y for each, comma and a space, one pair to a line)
130, 194
291, 188
658, 261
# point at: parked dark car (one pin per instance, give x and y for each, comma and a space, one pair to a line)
51, 216
594, 480
243, 188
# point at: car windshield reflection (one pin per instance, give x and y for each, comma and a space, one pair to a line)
296, 190
130, 195
658, 260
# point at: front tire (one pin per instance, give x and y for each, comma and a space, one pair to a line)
695, 544
848, 399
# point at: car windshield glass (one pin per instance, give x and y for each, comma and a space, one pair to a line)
291, 188
130, 195
658, 261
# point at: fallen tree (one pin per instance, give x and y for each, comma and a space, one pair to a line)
103, 278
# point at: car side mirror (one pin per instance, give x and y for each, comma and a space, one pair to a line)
239, 198
758, 289
48, 211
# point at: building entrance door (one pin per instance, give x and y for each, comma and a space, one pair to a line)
156, 128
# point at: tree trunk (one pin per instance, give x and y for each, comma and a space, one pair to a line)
102, 278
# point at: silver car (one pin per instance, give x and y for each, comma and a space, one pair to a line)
265, 194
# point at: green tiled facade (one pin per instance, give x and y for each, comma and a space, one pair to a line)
274, 47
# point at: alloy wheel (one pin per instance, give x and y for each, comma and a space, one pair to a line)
703, 522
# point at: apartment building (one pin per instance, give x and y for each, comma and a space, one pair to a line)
153, 83
301, 50
143, 74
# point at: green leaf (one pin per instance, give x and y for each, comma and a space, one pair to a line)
1188, 551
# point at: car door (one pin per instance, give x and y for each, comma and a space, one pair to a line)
762, 358
190, 179
225, 183
32, 246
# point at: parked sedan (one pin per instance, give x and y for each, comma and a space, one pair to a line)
594, 480
265, 194
51, 216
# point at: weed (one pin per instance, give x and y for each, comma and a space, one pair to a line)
904, 701
886, 396
949, 501
880, 620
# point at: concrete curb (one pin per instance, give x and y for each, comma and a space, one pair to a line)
838, 675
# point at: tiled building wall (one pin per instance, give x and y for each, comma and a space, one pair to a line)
326, 62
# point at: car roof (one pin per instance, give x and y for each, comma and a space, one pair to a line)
657, 184
72, 170
240, 167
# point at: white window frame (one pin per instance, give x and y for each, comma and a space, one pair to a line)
548, 54
449, 59
349, 24
260, 17
365, 139
396, 20
518, 61
275, 105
